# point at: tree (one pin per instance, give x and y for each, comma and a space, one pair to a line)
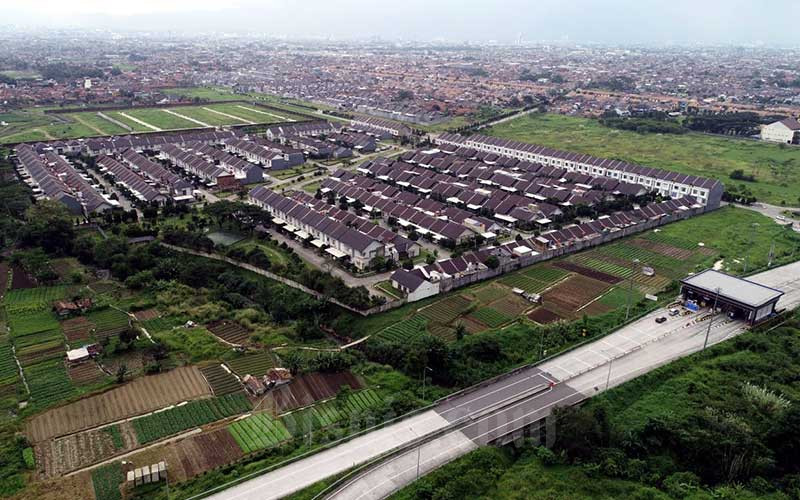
49, 226
461, 331
492, 262
121, 372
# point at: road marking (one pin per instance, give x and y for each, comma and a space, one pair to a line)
140, 122
202, 124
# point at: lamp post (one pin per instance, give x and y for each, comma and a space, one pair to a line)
711, 321
630, 289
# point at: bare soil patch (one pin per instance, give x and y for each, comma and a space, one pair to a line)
543, 316
309, 388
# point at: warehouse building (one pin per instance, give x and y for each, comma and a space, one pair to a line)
738, 297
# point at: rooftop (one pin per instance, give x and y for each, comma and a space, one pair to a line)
733, 288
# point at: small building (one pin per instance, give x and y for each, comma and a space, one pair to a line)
254, 385
277, 376
785, 131
413, 285
739, 297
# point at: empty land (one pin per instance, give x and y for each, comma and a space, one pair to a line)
776, 168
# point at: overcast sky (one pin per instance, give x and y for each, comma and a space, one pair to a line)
772, 22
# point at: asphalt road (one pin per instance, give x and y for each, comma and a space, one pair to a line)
510, 403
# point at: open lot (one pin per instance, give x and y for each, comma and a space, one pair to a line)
776, 168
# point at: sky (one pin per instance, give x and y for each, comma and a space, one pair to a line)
581, 21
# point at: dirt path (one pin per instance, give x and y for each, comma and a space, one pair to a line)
140, 122
44, 132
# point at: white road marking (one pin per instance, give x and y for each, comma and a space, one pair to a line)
202, 124
239, 118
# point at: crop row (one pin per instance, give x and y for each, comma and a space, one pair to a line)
446, 310
257, 364
331, 412
405, 330
523, 282
48, 382
545, 273
258, 432
220, 381
192, 414
32, 322
106, 481
490, 317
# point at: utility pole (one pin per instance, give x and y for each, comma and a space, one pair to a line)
749, 245
711, 320
771, 253
608, 377
630, 289
423, 380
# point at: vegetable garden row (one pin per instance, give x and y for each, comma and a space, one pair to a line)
193, 414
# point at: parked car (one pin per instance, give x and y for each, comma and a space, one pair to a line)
674, 311
661, 319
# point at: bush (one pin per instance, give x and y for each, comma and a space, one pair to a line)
27, 457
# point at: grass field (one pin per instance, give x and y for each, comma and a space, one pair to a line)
776, 168
34, 125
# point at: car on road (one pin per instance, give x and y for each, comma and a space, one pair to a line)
661, 319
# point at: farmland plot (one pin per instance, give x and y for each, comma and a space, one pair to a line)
86, 373
446, 310
26, 323
106, 481
543, 316
108, 321
206, 451
490, 317
570, 295
309, 388
41, 297
134, 398
229, 331
405, 330
258, 432
221, 381
48, 382
56, 457
77, 329
257, 364
192, 414
323, 415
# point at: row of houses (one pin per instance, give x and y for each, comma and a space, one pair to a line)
426, 280
133, 181
43, 182
196, 164
379, 127
170, 183
666, 183
272, 156
300, 129
244, 171
397, 247
411, 212
322, 231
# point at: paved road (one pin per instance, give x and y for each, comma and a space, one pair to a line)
774, 212
510, 403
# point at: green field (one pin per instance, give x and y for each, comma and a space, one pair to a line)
257, 364
206, 116
258, 432
777, 169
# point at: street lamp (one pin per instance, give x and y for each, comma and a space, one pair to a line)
711, 321
630, 289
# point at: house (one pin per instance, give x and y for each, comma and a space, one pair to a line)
66, 308
784, 131
254, 385
277, 376
413, 284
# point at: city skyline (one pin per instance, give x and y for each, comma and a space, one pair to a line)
617, 22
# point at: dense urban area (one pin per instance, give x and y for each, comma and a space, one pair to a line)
245, 267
